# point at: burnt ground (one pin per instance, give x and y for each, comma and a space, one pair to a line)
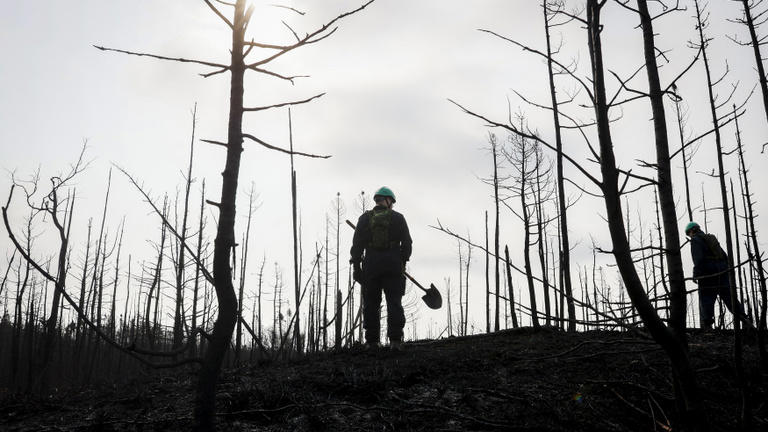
513, 380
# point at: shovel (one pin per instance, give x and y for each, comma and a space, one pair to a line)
432, 297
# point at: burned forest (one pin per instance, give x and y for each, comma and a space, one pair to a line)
384, 215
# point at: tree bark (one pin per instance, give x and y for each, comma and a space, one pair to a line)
671, 341
494, 150
178, 315
737, 317
225, 235
565, 257
755, 43
761, 326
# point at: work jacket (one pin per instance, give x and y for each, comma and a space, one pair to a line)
709, 259
387, 261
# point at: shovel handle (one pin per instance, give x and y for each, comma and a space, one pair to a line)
404, 272
415, 282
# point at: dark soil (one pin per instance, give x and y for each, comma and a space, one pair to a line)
520, 380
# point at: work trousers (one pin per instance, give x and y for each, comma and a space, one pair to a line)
709, 289
393, 287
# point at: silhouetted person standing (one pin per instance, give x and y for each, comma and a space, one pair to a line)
710, 271
380, 248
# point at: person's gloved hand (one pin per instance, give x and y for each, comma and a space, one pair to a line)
357, 273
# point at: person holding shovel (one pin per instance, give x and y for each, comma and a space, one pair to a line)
381, 246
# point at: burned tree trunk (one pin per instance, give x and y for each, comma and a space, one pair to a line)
61, 276
225, 235
735, 305
685, 382
542, 175
466, 286
494, 151
522, 156
565, 248
243, 266
149, 326
686, 158
337, 315
752, 233
487, 280
755, 42
178, 313
510, 289
198, 264
673, 341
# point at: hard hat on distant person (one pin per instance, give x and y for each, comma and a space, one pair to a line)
690, 226
384, 192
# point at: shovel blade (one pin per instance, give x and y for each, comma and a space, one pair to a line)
432, 298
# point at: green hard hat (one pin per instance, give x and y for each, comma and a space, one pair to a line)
385, 192
690, 226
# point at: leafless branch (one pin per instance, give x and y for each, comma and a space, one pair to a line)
284, 104
289, 8
208, 275
159, 57
318, 35
529, 136
97, 329
545, 56
271, 147
220, 15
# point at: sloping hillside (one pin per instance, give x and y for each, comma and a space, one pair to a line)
513, 380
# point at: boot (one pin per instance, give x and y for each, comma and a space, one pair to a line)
372, 345
396, 345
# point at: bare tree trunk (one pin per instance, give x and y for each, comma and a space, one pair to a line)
494, 151
225, 235
201, 225
79, 337
662, 248
510, 288
261, 280
5, 277
112, 312
735, 306
178, 313
756, 42
319, 313
565, 257
736, 243
461, 290
18, 320
61, 276
673, 342
243, 265
466, 284
527, 243
296, 269
683, 148
149, 327
29, 336
97, 281
487, 280
449, 310
750, 216
541, 241
337, 315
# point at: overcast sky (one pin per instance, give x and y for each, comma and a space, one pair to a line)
385, 119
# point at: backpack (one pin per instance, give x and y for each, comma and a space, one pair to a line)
716, 252
379, 223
